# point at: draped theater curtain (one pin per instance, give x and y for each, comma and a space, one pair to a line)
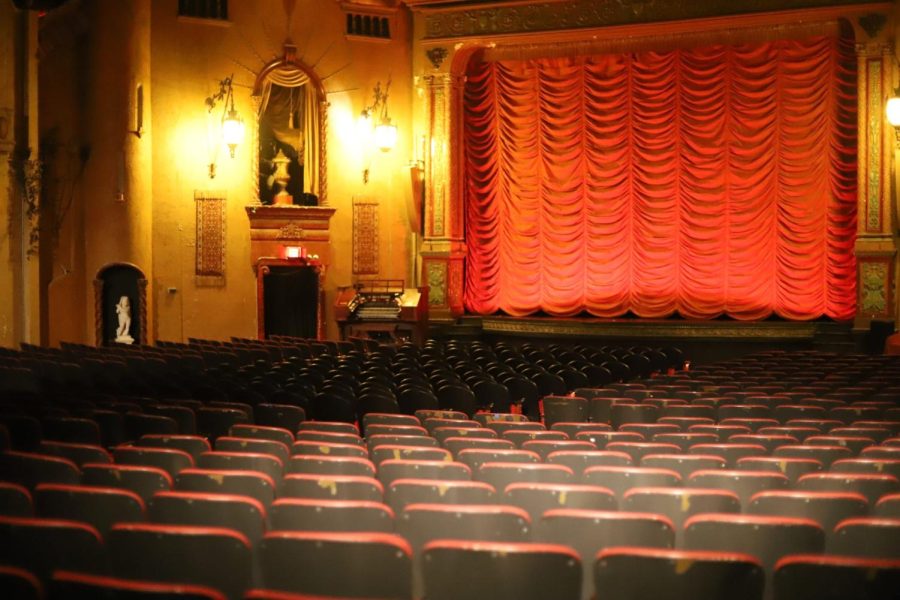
704, 182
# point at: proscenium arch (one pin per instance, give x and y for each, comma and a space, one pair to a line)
290, 66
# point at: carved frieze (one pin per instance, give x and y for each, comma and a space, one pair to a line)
574, 14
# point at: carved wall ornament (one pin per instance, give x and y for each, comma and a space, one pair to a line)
575, 14
437, 283
874, 278
872, 23
436, 56
291, 231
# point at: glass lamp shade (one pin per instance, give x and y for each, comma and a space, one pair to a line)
232, 131
892, 109
386, 136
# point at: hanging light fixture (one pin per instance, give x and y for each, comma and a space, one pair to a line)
385, 133
232, 124
892, 111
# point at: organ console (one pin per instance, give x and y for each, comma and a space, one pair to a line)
384, 310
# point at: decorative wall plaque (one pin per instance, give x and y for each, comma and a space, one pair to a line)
210, 252
365, 238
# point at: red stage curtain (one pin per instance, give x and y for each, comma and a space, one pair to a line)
703, 182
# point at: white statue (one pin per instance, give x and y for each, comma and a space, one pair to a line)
123, 310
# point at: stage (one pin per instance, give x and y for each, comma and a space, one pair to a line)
702, 341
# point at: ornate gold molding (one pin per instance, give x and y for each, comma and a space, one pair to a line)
455, 22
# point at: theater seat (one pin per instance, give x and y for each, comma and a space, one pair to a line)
499, 571
500, 474
100, 507
590, 531
241, 513
628, 573
871, 537
332, 487
15, 500
144, 481
20, 584
818, 577
254, 484
29, 469
403, 492
387, 452
312, 448
207, 556
296, 514
83, 586
391, 470
537, 498
361, 565
679, 504
42, 546
278, 434
825, 508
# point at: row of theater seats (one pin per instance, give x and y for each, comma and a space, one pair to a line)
388, 501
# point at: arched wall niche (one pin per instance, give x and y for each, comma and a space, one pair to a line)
114, 281
290, 95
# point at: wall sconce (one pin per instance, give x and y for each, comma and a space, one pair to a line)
232, 124
892, 110
385, 133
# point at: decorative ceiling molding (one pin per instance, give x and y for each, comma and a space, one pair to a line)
445, 19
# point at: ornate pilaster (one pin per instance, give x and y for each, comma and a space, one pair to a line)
443, 247
875, 246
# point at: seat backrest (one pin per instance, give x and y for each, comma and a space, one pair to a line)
500, 571
391, 470
502, 474
743, 483
537, 498
332, 487
241, 513
873, 537
15, 500
679, 504
813, 577
403, 492
475, 457
43, 545
683, 464
360, 564
422, 523
144, 481
887, 507
254, 484
29, 469
100, 507
170, 460
627, 572
244, 461
279, 450
622, 479
79, 454
871, 485
792, 468
20, 583
279, 434
766, 538
579, 460
82, 586
825, 508
209, 556
388, 451
297, 514
192, 444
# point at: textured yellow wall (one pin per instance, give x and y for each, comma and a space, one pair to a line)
179, 63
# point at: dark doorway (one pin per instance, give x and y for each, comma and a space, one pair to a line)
291, 301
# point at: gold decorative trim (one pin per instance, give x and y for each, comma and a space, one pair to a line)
438, 159
873, 279
649, 329
436, 275
875, 133
465, 21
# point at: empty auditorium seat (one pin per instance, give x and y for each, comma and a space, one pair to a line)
20, 584
766, 538
873, 537
403, 492
871, 485
373, 418
74, 430
825, 508
545, 447
170, 460
387, 451
243, 461
458, 444
601, 439
254, 484
767, 441
442, 433
209, 556
678, 504
536, 498
722, 431
683, 464
590, 531
332, 487
793, 468
312, 448
234, 444
29, 469
386, 429
391, 470
143, 481
571, 429
83, 586
362, 565
380, 439
887, 507
332, 437
42, 546
298, 514
622, 479
579, 460
192, 444
78, 453
520, 571
100, 507
285, 416
629, 573
817, 577
279, 434
15, 500
475, 457
241, 513
731, 452
742, 483
559, 409
685, 440
501, 474
330, 465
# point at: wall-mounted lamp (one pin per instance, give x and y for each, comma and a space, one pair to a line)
892, 110
385, 133
232, 124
